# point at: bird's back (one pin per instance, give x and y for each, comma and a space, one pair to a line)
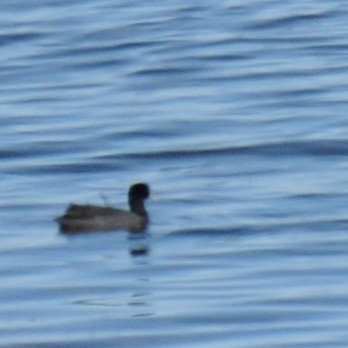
88, 218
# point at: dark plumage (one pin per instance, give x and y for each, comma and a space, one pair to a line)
88, 218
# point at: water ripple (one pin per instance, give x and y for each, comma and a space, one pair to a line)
234, 114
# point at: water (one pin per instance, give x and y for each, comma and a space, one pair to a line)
234, 113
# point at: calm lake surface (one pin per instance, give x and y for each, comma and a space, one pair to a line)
235, 112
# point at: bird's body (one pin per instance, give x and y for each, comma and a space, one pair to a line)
89, 218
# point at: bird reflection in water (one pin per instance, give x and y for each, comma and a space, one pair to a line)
138, 244
140, 300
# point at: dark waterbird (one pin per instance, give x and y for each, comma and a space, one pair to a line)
90, 218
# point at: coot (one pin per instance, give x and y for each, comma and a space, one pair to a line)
89, 218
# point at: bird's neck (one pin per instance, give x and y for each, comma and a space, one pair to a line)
137, 207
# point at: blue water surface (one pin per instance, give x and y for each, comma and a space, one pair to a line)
235, 112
